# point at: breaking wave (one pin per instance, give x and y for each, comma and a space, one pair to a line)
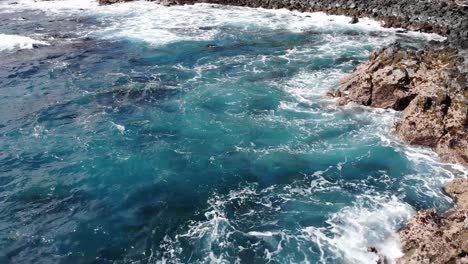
15, 42
194, 134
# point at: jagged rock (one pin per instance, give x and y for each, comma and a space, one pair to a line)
430, 238
417, 237
354, 20
357, 87
453, 147
456, 187
389, 87
422, 122
109, 2
381, 82
458, 191
427, 85
444, 17
381, 258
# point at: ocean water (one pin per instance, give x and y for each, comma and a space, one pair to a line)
137, 133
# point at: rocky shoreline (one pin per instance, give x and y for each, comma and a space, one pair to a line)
432, 238
444, 17
429, 86
430, 89
426, 85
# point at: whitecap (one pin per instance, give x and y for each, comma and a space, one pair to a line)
120, 128
261, 234
355, 228
16, 42
161, 25
73, 6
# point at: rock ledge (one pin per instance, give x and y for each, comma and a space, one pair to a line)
427, 85
430, 238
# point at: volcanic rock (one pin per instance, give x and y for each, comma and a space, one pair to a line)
354, 20
430, 238
426, 85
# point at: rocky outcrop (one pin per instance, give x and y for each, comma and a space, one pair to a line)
109, 2
429, 86
426, 85
446, 17
384, 81
432, 238
431, 90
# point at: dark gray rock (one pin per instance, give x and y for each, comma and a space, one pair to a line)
354, 20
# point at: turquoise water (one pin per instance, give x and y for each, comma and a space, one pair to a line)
126, 138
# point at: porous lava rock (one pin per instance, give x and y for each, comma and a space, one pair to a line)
432, 238
427, 85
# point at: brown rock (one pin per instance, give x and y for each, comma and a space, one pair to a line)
362, 95
418, 238
456, 117
357, 87
381, 258
430, 238
109, 2
427, 85
421, 123
458, 191
453, 147
383, 81
456, 187
462, 201
390, 86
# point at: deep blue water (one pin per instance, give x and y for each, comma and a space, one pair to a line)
124, 138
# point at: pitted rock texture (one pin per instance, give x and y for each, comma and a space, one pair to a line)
426, 85
458, 191
430, 238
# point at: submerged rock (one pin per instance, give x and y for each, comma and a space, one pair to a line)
381, 258
426, 85
445, 17
109, 2
430, 238
354, 20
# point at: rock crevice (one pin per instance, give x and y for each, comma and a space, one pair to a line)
445, 17
429, 86
432, 238
426, 85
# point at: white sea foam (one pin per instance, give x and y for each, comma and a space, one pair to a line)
261, 234
120, 128
15, 42
370, 221
374, 218
160, 25
307, 87
73, 6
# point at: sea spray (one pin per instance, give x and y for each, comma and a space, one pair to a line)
132, 139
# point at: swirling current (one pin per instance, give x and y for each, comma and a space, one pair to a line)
138, 133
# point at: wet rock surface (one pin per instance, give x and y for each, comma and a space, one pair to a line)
446, 17
426, 85
429, 86
109, 2
432, 238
